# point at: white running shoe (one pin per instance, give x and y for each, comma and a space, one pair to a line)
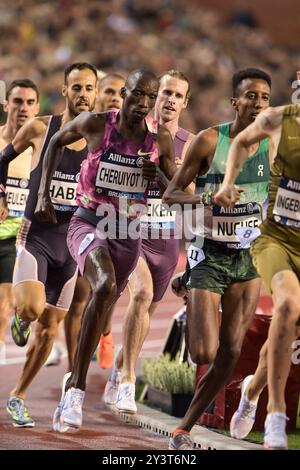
126, 398
56, 424
243, 419
112, 386
71, 414
275, 435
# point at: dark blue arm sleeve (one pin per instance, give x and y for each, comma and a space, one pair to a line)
6, 156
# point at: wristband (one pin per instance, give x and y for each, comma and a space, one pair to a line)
206, 198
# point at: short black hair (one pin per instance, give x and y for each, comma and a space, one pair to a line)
135, 75
181, 76
241, 75
23, 83
79, 66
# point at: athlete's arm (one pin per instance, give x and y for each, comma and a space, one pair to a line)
24, 138
81, 126
264, 126
197, 161
166, 155
70, 133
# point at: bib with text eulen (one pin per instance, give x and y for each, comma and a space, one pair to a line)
228, 222
286, 209
63, 191
120, 176
16, 196
17, 184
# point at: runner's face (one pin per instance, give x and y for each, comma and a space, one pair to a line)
140, 98
253, 97
109, 94
80, 91
172, 98
21, 105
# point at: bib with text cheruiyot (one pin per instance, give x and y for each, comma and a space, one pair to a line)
120, 176
286, 209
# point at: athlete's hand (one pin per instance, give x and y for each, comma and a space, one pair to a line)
3, 209
149, 169
227, 196
44, 211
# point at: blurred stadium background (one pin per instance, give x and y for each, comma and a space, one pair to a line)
207, 39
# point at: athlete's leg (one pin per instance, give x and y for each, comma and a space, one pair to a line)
243, 419
260, 377
145, 332
238, 306
99, 271
29, 279
45, 333
72, 320
147, 286
7, 262
108, 325
285, 294
136, 322
202, 332
30, 299
6, 306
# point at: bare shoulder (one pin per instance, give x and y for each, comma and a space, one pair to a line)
209, 135
206, 140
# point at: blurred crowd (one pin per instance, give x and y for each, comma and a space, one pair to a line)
38, 39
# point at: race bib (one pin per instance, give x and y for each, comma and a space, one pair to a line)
158, 216
227, 221
247, 235
16, 196
63, 195
63, 191
120, 176
194, 256
286, 209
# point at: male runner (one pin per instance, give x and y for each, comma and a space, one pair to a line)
45, 273
275, 252
220, 268
108, 97
158, 257
22, 103
113, 180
